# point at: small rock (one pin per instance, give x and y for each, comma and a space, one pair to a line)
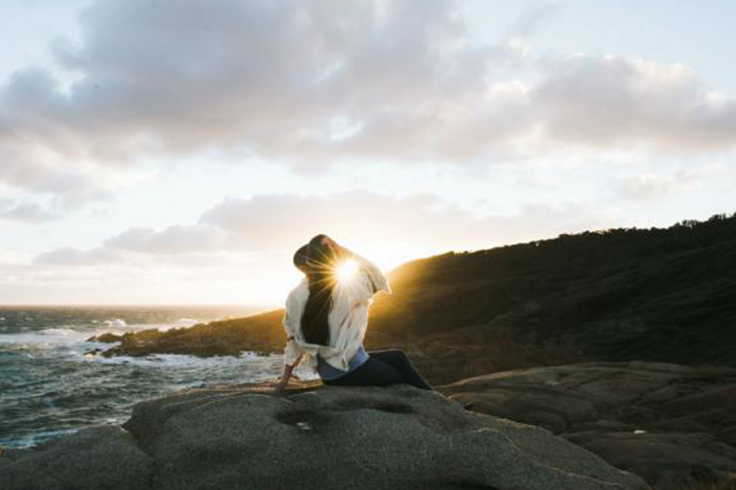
105, 337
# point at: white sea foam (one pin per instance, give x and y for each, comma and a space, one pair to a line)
116, 323
59, 331
31, 440
186, 322
47, 337
70, 342
184, 360
65, 334
70, 335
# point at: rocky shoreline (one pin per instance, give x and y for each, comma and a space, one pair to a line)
672, 426
260, 333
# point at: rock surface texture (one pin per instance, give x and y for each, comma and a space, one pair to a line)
246, 437
675, 426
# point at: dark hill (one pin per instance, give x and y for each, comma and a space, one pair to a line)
610, 295
620, 294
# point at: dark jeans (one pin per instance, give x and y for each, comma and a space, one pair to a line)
383, 367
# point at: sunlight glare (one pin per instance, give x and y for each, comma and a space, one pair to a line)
347, 270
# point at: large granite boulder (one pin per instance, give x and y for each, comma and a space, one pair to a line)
673, 425
102, 458
247, 437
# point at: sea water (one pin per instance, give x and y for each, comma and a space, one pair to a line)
50, 385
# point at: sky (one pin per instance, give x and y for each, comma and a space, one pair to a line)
157, 152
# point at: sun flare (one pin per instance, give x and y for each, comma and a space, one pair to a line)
347, 270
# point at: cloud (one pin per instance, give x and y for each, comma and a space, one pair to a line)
142, 246
274, 225
31, 167
173, 240
607, 100
24, 211
187, 75
651, 186
241, 249
318, 81
70, 256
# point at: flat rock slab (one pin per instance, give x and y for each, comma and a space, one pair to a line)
673, 425
667, 460
247, 437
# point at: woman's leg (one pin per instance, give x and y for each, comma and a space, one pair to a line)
400, 361
372, 372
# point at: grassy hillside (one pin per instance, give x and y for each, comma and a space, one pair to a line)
616, 295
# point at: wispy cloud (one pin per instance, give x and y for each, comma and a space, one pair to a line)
28, 212
647, 187
271, 227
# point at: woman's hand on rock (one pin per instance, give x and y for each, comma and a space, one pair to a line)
281, 385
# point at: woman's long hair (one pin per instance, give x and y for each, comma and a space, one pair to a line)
317, 261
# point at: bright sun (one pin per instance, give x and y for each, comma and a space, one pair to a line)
347, 270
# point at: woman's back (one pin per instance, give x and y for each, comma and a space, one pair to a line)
326, 317
347, 319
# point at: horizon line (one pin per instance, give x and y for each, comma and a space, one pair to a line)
132, 305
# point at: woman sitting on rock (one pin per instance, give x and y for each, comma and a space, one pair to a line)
326, 318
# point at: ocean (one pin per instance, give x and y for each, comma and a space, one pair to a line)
49, 386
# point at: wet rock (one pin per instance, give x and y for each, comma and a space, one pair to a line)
105, 337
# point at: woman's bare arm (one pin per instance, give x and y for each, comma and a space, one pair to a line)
284, 380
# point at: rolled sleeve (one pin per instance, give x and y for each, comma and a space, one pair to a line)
292, 352
375, 280
366, 285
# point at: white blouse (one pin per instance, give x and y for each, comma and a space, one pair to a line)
347, 320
